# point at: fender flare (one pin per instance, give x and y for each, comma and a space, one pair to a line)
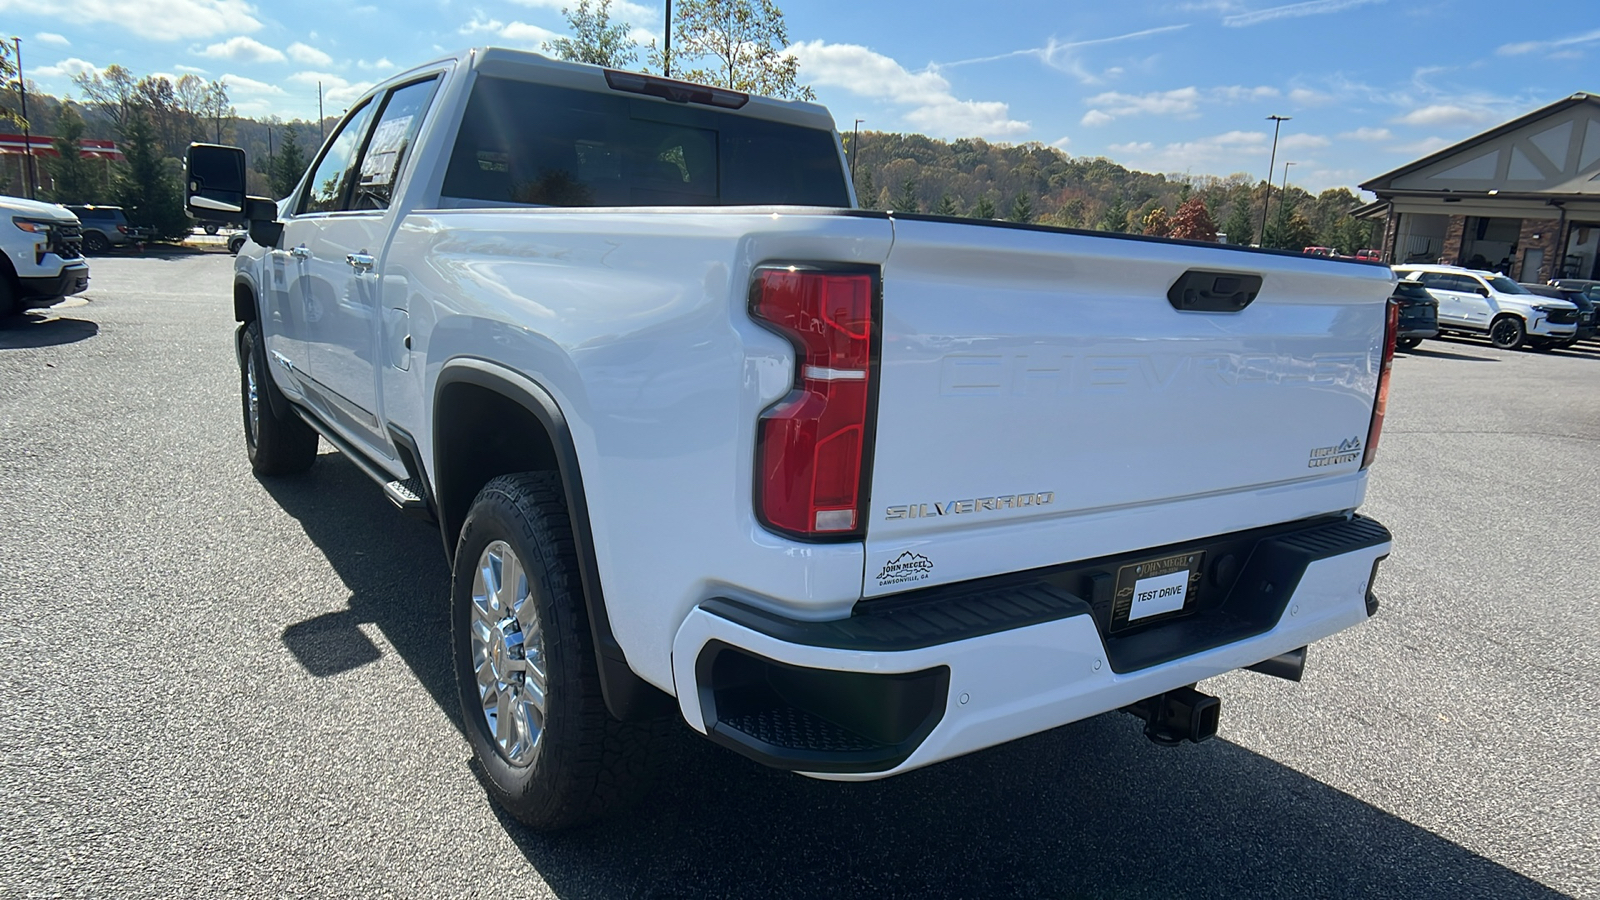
627, 696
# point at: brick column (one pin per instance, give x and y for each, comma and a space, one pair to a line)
1454, 236
1539, 234
1391, 234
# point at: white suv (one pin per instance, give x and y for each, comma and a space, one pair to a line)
1479, 302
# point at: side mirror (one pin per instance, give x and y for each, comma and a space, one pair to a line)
1483, 291
215, 184
215, 190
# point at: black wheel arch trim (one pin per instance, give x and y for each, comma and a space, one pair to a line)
627, 696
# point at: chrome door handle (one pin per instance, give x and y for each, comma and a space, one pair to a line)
300, 252
361, 262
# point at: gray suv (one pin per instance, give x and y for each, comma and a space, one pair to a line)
105, 227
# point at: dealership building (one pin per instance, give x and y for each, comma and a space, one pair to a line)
1522, 198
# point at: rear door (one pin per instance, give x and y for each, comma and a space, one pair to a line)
1041, 400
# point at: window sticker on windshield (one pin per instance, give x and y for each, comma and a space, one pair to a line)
388, 141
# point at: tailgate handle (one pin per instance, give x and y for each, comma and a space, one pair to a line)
1202, 291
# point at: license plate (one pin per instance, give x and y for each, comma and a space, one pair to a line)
1156, 588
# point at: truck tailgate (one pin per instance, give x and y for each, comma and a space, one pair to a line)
1041, 400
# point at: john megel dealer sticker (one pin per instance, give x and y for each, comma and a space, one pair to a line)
906, 567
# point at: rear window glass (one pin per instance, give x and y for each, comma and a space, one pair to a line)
536, 145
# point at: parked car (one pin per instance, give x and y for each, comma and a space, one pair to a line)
1579, 297
1472, 301
236, 241
1369, 255
1591, 292
41, 255
105, 227
1419, 314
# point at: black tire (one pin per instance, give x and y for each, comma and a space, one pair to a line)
235, 244
277, 445
1407, 343
95, 242
1508, 333
210, 228
584, 764
8, 296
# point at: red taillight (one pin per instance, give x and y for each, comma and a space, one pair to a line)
811, 445
1391, 328
122, 228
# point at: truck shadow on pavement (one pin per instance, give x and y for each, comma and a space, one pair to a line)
1089, 809
32, 332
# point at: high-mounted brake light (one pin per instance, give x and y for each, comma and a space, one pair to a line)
1391, 329
811, 445
676, 91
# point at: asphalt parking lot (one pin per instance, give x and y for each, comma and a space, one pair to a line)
220, 686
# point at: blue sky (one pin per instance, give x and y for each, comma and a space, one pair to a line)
1181, 86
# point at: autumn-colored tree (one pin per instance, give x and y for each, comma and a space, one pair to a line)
1192, 222
1157, 223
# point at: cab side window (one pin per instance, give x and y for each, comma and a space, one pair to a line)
330, 182
391, 140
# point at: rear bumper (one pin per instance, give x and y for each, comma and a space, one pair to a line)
908, 682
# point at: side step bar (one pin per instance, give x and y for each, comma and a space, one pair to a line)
408, 495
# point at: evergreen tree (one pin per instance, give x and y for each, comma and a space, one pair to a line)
906, 200
1157, 223
1192, 222
1116, 216
1238, 227
594, 39
946, 207
288, 164
145, 188
74, 181
866, 191
738, 44
984, 208
1021, 209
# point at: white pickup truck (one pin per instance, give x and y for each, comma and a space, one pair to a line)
848, 492
41, 254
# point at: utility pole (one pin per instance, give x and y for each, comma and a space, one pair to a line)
666, 55
1272, 163
321, 129
855, 150
27, 138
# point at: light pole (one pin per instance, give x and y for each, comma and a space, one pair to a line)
1284, 191
27, 137
1272, 163
855, 150
666, 53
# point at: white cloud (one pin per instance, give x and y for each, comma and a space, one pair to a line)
195, 69
1444, 114
1535, 46
50, 37
1293, 11
1423, 147
1182, 102
1308, 97
931, 107
1231, 151
520, 33
306, 54
1061, 143
159, 20
1367, 134
243, 49
381, 65
238, 84
1303, 142
67, 68
336, 91
1065, 56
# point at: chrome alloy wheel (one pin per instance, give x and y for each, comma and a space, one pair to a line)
252, 401
508, 654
